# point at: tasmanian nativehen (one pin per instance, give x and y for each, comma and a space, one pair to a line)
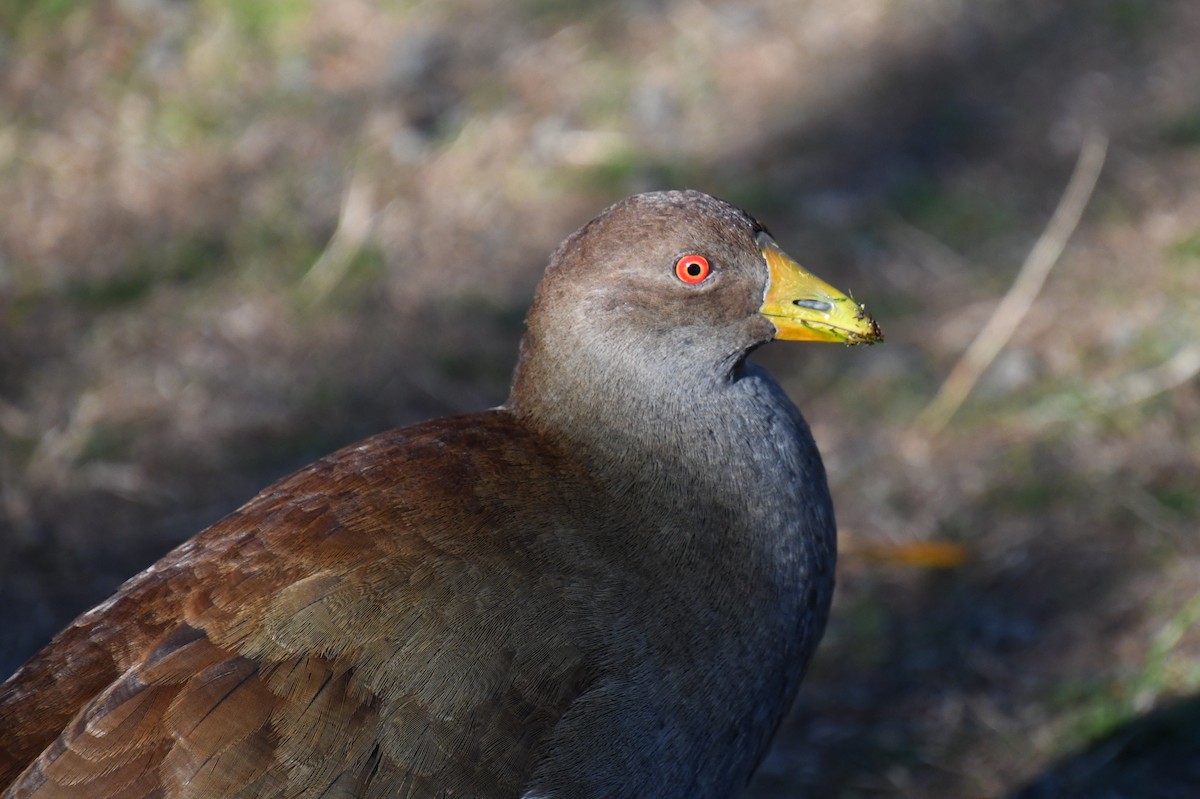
609, 586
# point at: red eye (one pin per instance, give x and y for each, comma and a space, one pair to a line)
692, 269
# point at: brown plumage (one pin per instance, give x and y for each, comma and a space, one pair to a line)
607, 587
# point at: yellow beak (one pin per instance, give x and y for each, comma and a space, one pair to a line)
805, 308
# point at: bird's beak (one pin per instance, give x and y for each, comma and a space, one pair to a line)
805, 308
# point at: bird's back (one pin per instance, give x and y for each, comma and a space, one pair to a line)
329, 634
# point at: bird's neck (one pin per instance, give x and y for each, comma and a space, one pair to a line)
719, 443
612, 405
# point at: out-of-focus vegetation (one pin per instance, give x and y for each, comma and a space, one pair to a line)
237, 235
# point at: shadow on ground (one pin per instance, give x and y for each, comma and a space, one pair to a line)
1156, 756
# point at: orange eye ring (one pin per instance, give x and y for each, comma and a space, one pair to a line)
692, 269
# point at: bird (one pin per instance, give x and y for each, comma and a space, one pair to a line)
608, 586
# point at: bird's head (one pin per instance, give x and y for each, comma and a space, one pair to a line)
682, 280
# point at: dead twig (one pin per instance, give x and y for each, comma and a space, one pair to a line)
1140, 386
355, 222
1007, 317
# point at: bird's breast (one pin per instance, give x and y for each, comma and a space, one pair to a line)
717, 540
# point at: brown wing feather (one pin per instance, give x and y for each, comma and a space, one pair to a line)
42, 697
350, 631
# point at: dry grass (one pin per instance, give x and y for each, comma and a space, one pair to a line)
238, 235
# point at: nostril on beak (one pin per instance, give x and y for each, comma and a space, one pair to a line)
814, 305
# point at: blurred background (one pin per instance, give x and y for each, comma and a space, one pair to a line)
235, 236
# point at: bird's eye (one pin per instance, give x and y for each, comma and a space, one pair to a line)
692, 269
